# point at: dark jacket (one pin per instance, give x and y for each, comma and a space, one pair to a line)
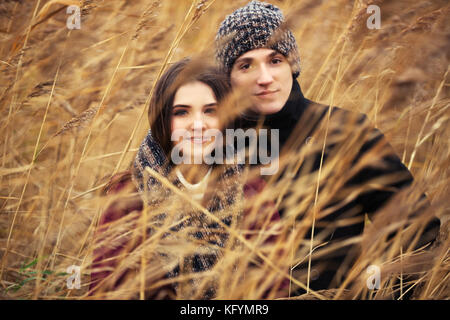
299, 121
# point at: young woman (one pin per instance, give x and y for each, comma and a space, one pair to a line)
155, 229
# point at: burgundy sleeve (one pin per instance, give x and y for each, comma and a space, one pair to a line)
103, 257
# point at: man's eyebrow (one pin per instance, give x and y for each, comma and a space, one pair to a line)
210, 104
246, 59
274, 53
249, 59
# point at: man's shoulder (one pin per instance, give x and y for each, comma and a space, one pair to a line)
337, 113
318, 112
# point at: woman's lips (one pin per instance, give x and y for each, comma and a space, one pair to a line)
200, 140
266, 93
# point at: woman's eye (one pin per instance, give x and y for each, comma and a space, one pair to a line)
210, 110
179, 112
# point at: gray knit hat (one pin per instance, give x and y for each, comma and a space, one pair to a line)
251, 27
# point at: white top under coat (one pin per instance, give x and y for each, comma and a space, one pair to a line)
198, 189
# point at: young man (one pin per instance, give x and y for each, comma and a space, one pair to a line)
260, 56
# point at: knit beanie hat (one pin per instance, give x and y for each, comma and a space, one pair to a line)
256, 25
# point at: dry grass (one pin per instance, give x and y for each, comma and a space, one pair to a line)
74, 107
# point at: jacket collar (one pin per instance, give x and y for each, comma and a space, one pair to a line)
292, 110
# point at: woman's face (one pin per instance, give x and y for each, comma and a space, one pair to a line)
194, 111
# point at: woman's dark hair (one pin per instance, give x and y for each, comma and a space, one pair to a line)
180, 73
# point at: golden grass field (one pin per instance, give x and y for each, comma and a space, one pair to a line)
74, 109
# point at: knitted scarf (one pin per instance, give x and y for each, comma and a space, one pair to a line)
225, 203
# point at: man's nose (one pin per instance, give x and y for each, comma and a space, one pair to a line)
264, 76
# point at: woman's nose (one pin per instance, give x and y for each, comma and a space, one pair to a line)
198, 123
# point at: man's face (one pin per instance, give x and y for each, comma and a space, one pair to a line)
266, 76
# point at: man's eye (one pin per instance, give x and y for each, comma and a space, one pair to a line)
276, 60
244, 66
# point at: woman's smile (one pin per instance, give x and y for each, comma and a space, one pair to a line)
200, 140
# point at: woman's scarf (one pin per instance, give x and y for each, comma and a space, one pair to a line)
224, 202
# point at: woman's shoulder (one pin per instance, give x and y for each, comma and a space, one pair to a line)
121, 206
118, 182
254, 186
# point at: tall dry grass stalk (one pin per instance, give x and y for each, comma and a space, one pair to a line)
74, 105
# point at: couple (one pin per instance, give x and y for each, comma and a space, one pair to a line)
258, 60
188, 97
